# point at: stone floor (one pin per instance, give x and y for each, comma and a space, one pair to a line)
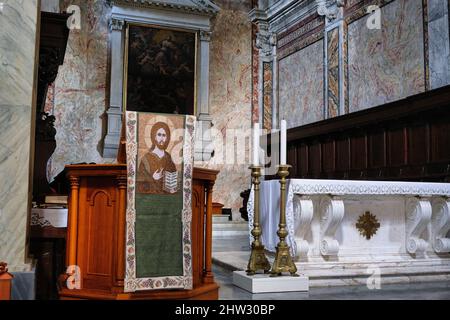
239, 245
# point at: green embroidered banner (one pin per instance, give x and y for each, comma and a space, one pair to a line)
160, 152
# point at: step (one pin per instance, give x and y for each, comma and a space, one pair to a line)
237, 226
230, 229
228, 233
220, 219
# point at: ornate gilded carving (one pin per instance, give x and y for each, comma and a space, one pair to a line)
368, 225
3, 268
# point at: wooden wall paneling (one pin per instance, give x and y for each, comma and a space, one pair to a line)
440, 140
403, 140
293, 161
358, 156
396, 151
343, 154
315, 159
329, 156
303, 156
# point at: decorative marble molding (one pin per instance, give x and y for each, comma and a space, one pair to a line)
265, 40
332, 213
440, 225
189, 6
303, 215
205, 35
348, 187
116, 24
303, 34
330, 11
285, 14
418, 215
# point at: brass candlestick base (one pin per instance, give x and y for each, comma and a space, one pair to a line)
258, 259
283, 260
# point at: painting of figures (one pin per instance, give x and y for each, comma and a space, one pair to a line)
160, 70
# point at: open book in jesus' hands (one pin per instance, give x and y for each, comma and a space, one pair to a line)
171, 182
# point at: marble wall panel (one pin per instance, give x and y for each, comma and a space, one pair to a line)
301, 86
438, 39
81, 89
18, 25
230, 98
387, 64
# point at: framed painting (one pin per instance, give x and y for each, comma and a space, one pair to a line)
160, 70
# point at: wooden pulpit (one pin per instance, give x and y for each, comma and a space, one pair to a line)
96, 235
5, 282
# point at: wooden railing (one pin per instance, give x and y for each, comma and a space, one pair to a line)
406, 140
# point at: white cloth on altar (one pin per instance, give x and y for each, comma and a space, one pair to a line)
270, 215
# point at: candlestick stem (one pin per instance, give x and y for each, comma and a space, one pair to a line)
283, 260
258, 260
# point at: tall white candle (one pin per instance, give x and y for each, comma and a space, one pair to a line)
283, 141
256, 137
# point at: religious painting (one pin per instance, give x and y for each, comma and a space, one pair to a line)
160, 157
160, 154
160, 70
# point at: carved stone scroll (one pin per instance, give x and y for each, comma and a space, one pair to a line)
303, 212
440, 225
418, 216
332, 212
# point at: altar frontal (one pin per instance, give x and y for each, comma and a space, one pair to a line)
160, 152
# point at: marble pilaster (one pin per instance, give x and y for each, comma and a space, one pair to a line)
18, 22
116, 93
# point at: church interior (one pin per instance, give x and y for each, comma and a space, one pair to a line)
224, 150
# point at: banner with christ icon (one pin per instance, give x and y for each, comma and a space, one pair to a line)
160, 151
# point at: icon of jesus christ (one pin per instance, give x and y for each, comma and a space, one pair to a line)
157, 172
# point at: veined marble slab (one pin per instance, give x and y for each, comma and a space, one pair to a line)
18, 25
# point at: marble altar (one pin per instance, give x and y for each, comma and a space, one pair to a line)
402, 235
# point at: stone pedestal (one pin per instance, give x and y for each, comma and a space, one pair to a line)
263, 283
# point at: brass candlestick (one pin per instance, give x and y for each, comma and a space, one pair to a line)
283, 260
258, 259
